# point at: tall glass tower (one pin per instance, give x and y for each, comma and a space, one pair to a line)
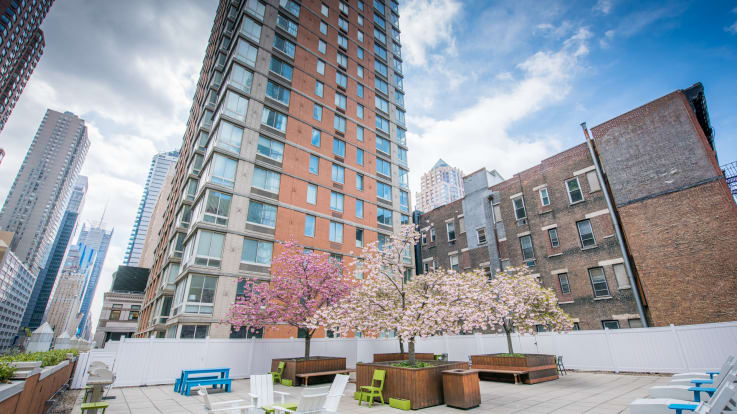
98, 239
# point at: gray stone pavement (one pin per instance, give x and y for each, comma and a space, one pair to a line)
573, 393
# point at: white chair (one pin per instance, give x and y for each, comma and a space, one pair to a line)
729, 362
336, 391
262, 392
683, 389
308, 404
661, 405
233, 406
722, 401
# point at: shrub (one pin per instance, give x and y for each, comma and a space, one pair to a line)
406, 364
48, 358
6, 371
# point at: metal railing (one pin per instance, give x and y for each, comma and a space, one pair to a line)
730, 173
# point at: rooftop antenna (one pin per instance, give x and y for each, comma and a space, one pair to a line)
103, 212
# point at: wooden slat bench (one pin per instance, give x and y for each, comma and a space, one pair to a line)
504, 371
518, 374
307, 375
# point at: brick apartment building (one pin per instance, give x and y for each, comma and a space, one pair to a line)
674, 206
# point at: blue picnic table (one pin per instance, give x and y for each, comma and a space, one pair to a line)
193, 377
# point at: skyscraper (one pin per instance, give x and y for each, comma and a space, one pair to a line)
16, 282
441, 185
296, 132
22, 44
33, 317
41, 190
64, 313
157, 174
98, 239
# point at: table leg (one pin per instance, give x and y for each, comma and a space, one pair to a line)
96, 396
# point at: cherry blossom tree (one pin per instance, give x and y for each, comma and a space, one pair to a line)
390, 298
301, 283
519, 301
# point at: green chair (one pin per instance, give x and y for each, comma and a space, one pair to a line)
373, 390
87, 393
95, 406
278, 373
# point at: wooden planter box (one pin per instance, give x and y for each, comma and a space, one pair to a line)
423, 387
294, 366
396, 356
461, 388
541, 367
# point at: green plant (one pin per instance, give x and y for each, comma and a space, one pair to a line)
48, 358
406, 364
6, 371
511, 355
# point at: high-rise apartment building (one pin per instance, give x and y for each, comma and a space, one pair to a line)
38, 197
296, 132
16, 282
441, 185
64, 314
97, 238
33, 317
22, 44
157, 174
156, 223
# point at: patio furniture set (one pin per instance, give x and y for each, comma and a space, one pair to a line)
100, 376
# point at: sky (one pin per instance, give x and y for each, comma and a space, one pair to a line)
500, 84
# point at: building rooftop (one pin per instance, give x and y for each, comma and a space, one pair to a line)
130, 279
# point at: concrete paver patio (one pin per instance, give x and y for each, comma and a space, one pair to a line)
573, 393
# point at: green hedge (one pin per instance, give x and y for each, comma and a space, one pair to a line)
48, 358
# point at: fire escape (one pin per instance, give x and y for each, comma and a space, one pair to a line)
730, 173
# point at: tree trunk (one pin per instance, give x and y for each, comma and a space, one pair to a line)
412, 351
401, 345
509, 340
307, 345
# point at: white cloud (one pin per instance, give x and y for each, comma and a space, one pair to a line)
605, 41
732, 29
484, 127
603, 6
427, 24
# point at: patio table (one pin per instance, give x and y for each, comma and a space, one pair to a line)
99, 379
223, 372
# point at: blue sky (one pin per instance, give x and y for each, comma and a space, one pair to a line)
500, 84
505, 84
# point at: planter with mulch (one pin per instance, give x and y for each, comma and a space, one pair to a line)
539, 367
396, 356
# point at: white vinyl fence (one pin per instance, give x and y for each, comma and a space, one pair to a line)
667, 350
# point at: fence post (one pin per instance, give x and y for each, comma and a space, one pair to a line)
612, 357
679, 346
479, 343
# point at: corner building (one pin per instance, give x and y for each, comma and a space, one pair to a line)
296, 132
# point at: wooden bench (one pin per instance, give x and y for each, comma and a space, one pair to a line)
187, 386
518, 373
306, 376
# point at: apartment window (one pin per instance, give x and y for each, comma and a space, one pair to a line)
246, 52
574, 190
451, 229
336, 201
235, 106
343, 7
359, 208
193, 331
285, 46
343, 24
338, 147
317, 112
134, 312
314, 164
383, 145
454, 262
342, 41
257, 252
623, 281
287, 25
593, 181
565, 287
209, 248
341, 80
281, 68
322, 46
398, 81
382, 69
217, 208
400, 115
382, 124
277, 92
384, 216
202, 141
266, 180
252, 30
311, 194
336, 232
402, 155
359, 237
315, 140
359, 156
383, 191
359, 52
115, 312
402, 136
339, 123
222, 171
323, 28
274, 119
270, 148
228, 137
258, 8
553, 236
379, 35
338, 174
404, 201
360, 5
291, 6
324, 10
432, 235
342, 60
519, 208
403, 178
320, 67
381, 104
481, 234
585, 233
359, 111
359, 133
359, 182
359, 90
260, 213
359, 35
309, 225
403, 219
610, 324
340, 100
382, 86
398, 97
528, 253
598, 282
544, 198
